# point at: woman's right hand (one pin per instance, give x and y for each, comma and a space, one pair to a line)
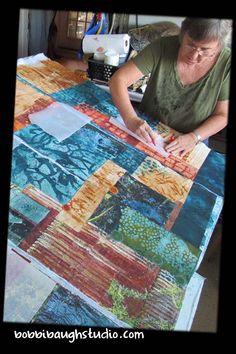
142, 129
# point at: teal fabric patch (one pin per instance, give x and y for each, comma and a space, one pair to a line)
26, 206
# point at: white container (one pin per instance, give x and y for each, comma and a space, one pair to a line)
112, 58
123, 58
98, 56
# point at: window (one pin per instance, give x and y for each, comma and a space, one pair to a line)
71, 26
78, 23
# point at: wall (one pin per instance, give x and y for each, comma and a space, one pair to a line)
39, 23
147, 19
23, 34
33, 31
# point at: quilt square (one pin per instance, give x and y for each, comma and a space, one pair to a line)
28, 167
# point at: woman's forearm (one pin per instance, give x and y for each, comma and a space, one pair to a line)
121, 99
119, 83
212, 125
215, 122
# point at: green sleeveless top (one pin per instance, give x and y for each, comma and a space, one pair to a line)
183, 108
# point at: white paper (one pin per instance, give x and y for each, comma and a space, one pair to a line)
59, 120
159, 147
19, 308
16, 142
31, 60
190, 303
117, 42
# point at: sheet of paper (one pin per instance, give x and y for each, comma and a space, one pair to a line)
59, 120
32, 60
16, 142
159, 147
26, 288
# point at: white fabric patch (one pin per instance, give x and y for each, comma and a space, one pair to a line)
59, 120
32, 60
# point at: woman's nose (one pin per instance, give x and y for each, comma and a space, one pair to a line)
195, 54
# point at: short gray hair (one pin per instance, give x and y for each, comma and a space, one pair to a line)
207, 28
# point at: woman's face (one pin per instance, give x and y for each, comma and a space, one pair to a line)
196, 52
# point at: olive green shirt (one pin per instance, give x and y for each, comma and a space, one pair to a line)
181, 107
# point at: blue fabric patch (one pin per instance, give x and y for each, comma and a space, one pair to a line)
85, 92
81, 154
137, 196
130, 158
196, 215
18, 227
28, 167
26, 206
63, 307
107, 107
212, 173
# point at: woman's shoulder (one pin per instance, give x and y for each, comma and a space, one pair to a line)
223, 63
227, 52
165, 44
226, 56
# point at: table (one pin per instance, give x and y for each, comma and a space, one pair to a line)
103, 230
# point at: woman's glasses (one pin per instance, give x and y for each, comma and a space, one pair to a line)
201, 51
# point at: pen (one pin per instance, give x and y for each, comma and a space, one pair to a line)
153, 141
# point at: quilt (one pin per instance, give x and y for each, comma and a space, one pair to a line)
115, 229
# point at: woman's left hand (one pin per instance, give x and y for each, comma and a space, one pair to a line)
182, 144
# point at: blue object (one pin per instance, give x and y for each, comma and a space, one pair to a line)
98, 25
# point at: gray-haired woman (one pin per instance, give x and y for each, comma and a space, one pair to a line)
188, 87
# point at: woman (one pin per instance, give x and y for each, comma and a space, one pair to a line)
189, 84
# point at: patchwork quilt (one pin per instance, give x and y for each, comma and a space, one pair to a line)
112, 228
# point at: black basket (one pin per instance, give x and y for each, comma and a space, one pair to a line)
98, 71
